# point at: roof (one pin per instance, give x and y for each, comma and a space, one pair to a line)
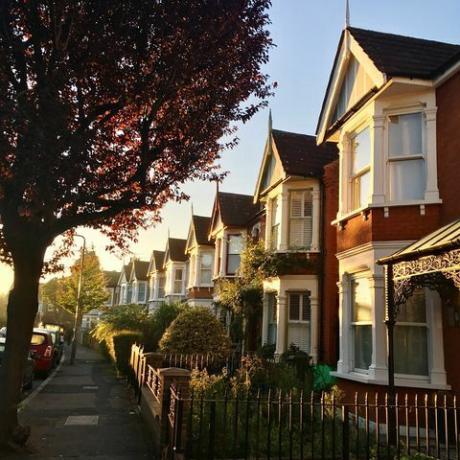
158, 258
127, 269
177, 249
236, 210
402, 56
141, 268
300, 155
201, 227
444, 239
112, 278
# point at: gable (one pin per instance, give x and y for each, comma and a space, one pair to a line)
191, 238
353, 77
271, 169
356, 83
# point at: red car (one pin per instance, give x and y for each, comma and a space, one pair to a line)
42, 348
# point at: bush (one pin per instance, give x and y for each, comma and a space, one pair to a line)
159, 321
196, 330
119, 347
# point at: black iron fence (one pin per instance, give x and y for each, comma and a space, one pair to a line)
293, 426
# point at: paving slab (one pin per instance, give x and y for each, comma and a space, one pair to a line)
70, 421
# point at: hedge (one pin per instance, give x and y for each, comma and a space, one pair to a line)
119, 348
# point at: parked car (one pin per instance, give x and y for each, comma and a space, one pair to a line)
43, 350
29, 374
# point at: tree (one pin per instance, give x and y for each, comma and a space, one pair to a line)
93, 286
196, 330
106, 109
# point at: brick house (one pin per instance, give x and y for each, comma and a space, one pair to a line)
391, 106
200, 253
289, 187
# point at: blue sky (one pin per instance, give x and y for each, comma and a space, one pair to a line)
306, 33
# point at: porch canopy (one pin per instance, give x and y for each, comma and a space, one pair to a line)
430, 261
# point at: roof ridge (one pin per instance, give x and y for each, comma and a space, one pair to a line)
426, 40
293, 133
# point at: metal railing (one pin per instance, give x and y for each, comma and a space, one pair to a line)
293, 426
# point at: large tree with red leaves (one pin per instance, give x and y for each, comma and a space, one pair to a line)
106, 108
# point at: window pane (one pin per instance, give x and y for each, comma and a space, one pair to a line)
141, 293
407, 180
296, 204
235, 244
206, 276
178, 274
405, 134
411, 356
294, 307
206, 260
361, 300
414, 310
363, 346
233, 263
306, 308
297, 231
361, 151
361, 190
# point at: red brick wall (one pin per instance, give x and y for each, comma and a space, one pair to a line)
199, 293
330, 302
448, 147
402, 223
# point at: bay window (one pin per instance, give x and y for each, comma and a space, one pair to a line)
411, 336
178, 280
361, 322
406, 157
206, 269
234, 249
272, 318
141, 292
360, 169
300, 219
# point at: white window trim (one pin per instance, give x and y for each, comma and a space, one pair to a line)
200, 269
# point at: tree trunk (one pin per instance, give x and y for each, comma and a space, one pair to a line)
22, 309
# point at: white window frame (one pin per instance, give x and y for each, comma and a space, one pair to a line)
201, 269
275, 226
303, 217
357, 175
144, 298
301, 295
401, 158
161, 279
355, 324
175, 280
227, 253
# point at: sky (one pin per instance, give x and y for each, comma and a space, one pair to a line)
306, 34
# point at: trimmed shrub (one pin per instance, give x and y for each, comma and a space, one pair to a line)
196, 330
159, 321
119, 347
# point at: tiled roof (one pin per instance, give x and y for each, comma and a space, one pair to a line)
177, 249
201, 226
127, 269
300, 155
141, 268
398, 55
237, 210
112, 278
158, 257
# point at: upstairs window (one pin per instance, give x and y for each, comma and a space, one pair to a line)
161, 286
218, 257
178, 280
151, 288
206, 269
300, 219
141, 292
406, 157
234, 249
360, 169
129, 293
274, 233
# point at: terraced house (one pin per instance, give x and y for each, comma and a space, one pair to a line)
392, 108
289, 187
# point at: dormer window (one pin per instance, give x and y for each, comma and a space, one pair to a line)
360, 169
300, 219
406, 157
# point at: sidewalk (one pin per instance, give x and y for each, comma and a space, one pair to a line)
85, 412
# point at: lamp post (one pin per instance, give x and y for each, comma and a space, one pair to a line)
76, 328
